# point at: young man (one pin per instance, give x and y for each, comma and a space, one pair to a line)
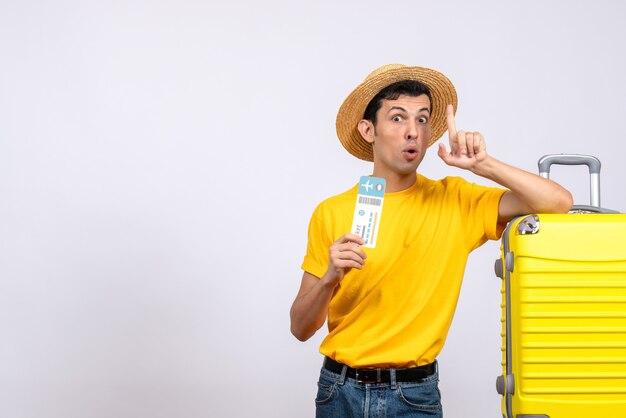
389, 308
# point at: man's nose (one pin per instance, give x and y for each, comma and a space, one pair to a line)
411, 130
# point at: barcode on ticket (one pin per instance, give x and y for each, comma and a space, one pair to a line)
370, 201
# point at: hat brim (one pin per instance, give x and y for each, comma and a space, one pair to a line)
351, 112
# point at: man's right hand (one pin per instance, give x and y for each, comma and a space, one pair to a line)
345, 254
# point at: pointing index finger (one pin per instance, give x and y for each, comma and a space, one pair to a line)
450, 121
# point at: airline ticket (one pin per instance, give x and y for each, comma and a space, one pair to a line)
368, 209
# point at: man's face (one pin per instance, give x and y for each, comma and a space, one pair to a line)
401, 135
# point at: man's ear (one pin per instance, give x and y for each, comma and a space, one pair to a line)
366, 129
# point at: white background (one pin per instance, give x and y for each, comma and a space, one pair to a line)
160, 160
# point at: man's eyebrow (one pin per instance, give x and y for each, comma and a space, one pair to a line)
397, 108
404, 110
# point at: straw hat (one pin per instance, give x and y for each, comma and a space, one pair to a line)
351, 111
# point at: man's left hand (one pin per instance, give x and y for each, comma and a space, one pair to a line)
467, 149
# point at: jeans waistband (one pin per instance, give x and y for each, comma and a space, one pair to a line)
381, 375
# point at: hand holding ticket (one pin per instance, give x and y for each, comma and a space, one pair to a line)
368, 209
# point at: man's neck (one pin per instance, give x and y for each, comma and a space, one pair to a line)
397, 182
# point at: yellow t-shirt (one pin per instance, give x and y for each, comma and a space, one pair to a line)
396, 312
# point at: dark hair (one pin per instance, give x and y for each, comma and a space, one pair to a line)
392, 92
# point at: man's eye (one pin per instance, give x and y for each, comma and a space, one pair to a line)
396, 118
423, 119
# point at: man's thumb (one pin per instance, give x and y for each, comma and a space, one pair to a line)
442, 152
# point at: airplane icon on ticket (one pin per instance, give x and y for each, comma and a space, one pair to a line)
367, 186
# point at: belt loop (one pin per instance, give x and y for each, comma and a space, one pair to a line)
392, 378
342, 379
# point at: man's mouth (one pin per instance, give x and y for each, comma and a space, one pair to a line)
410, 153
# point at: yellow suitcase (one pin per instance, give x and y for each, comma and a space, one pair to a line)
564, 309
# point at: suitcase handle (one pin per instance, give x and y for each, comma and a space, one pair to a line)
590, 161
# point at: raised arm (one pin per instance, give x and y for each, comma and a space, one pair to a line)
528, 193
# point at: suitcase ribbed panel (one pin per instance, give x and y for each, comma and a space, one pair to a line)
503, 335
572, 343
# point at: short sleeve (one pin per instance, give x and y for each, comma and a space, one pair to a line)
480, 213
319, 241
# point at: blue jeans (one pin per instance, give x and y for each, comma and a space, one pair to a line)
341, 397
